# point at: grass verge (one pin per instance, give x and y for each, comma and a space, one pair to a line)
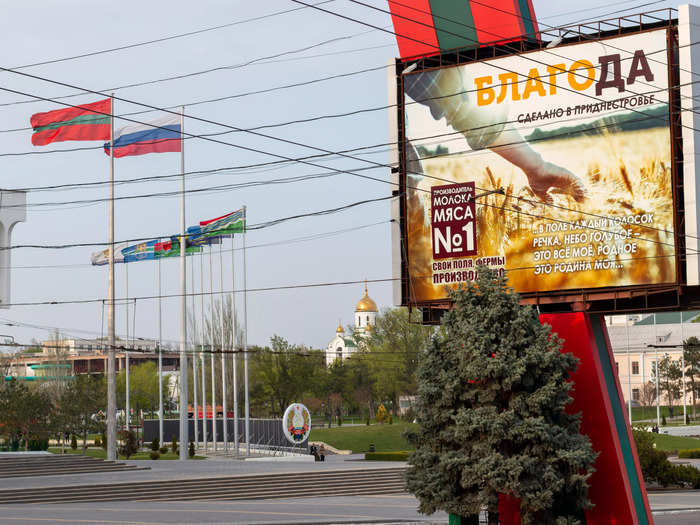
386, 438
102, 454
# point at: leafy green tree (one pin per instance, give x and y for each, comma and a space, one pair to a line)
691, 356
493, 392
24, 412
143, 387
79, 404
285, 372
670, 380
392, 349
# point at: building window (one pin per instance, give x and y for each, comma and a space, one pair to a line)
617, 367
367, 319
635, 394
635, 368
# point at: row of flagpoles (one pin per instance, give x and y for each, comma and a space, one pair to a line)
95, 121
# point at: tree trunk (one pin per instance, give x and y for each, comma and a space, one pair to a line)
692, 389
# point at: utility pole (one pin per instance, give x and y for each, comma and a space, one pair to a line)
111, 374
184, 430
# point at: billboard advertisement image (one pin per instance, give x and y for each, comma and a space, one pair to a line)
578, 139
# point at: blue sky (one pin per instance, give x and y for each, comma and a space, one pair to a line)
34, 32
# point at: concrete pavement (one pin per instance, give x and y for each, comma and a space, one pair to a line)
669, 509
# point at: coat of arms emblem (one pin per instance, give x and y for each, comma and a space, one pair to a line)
296, 423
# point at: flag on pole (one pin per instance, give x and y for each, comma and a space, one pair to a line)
85, 122
102, 257
159, 136
230, 223
171, 248
143, 251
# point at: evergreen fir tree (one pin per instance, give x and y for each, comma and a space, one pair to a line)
493, 388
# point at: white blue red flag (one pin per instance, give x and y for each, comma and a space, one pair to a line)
160, 136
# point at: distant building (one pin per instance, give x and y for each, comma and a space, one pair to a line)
639, 341
86, 356
343, 346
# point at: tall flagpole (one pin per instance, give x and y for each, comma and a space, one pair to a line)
127, 412
160, 358
223, 353
194, 361
204, 377
184, 431
233, 346
211, 349
245, 340
111, 374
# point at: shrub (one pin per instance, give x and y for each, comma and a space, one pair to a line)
663, 420
391, 421
387, 456
656, 466
191, 450
155, 444
367, 421
693, 453
154, 454
130, 446
38, 444
98, 442
73, 442
164, 450
382, 415
173, 445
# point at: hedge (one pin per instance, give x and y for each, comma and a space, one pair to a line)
693, 453
387, 456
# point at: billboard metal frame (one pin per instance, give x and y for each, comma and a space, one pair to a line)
606, 300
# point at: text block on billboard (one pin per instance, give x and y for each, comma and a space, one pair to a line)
452, 222
578, 138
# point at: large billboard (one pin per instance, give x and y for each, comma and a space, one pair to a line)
577, 140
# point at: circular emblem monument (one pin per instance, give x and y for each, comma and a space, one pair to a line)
296, 423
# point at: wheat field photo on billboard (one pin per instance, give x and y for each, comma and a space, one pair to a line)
627, 237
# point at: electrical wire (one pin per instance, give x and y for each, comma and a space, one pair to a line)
293, 240
181, 76
259, 226
166, 38
285, 287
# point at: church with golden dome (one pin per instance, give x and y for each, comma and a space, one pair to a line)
343, 346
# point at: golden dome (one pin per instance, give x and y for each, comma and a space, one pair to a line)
366, 304
340, 329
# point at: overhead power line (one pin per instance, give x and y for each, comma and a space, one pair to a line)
165, 38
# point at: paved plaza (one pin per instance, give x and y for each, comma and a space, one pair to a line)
669, 507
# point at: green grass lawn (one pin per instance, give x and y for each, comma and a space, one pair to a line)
675, 443
642, 413
386, 438
101, 454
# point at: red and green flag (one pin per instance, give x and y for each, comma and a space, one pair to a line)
429, 27
85, 122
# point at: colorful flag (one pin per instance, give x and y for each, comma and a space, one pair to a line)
102, 257
230, 223
160, 136
171, 248
140, 252
86, 122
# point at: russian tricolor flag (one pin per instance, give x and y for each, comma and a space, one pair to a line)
160, 136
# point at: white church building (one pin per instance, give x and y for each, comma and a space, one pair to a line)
343, 346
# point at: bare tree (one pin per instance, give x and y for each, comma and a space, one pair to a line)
647, 394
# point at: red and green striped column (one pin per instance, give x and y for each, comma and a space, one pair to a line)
428, 27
